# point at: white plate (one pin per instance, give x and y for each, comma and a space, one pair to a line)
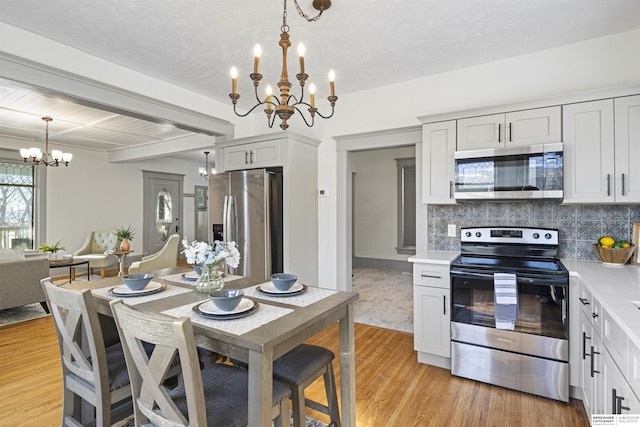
270, 288
190, 276
210, 308
124, 290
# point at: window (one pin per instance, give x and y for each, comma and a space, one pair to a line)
16, 205
406, 206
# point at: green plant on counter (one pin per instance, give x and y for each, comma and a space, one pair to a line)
125, 233
51, 248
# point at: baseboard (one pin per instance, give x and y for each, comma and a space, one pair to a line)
434, 360
384, 264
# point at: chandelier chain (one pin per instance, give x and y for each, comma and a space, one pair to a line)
301, 12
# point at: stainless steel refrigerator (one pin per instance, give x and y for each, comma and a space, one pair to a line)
246, 207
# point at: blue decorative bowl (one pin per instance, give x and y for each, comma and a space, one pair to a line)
283, 281
226, 299
137, 282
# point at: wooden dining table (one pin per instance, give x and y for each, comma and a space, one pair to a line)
258, 345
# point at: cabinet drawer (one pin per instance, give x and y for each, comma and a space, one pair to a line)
615, 340
586, 302
435, 275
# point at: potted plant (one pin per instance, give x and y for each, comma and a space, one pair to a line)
57, 246
124, 235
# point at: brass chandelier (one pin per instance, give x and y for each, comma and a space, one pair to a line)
286, 104
37, 157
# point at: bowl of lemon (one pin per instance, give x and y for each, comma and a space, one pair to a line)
612, 251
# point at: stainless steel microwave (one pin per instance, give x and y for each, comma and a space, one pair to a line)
517, 173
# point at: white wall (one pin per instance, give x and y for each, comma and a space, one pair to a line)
375, 210
606, 62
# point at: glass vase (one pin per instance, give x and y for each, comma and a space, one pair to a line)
211, 278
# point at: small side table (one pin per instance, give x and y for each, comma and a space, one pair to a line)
71, 263
121, 255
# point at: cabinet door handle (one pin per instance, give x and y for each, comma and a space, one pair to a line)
608, 184
594, 315
593, 362
451, 189
431, 276
246, 157
584, 345
251, 156
444, 304
623, 184
510, 132
616, 403
584, 301
499, 132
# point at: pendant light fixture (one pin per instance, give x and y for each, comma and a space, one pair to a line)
205, 171
37, 157
285, 104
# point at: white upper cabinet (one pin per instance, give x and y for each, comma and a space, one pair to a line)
518, 128
601, 154
253, 155
627, 149
439, 146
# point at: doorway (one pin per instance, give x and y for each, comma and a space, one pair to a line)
346, 147
163, 194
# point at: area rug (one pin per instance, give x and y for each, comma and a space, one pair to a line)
128, 422
20, 314
386, 298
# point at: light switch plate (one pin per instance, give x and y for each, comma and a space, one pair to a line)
451, 230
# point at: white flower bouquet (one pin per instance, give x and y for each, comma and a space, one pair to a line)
211, 253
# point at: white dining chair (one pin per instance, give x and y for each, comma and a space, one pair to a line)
90, 372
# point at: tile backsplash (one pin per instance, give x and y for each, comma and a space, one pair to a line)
579, 226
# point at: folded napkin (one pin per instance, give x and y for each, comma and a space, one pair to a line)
505, 292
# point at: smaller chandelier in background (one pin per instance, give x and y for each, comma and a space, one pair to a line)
205, 171
285, 104
36, 156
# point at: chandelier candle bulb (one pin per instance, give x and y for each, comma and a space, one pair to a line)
312, 95
332, 77
301, 54
257, 51
234, 80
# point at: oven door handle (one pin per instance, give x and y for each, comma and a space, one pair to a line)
540, 281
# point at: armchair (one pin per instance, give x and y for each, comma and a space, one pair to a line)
164, 258
98, 249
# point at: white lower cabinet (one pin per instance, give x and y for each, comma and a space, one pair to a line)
431, 318
608, 363
617, 394
591, 367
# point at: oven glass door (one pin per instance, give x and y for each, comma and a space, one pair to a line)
543, 303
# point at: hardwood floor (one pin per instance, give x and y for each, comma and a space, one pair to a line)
392, 388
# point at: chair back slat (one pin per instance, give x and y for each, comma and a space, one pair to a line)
79, 334
151, 397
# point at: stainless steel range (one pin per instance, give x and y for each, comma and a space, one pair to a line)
509, 310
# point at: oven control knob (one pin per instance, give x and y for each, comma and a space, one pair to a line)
478, 234
547, 236
536, 235
468, 234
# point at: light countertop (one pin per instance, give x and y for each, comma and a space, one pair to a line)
615, 287
435, 257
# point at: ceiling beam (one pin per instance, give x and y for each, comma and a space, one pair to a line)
95, 94
179, 146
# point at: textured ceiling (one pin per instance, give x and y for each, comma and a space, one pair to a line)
369, 43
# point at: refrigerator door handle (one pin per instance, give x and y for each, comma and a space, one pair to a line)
231, 226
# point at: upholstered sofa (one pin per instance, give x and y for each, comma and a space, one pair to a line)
98, 249
20, 282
